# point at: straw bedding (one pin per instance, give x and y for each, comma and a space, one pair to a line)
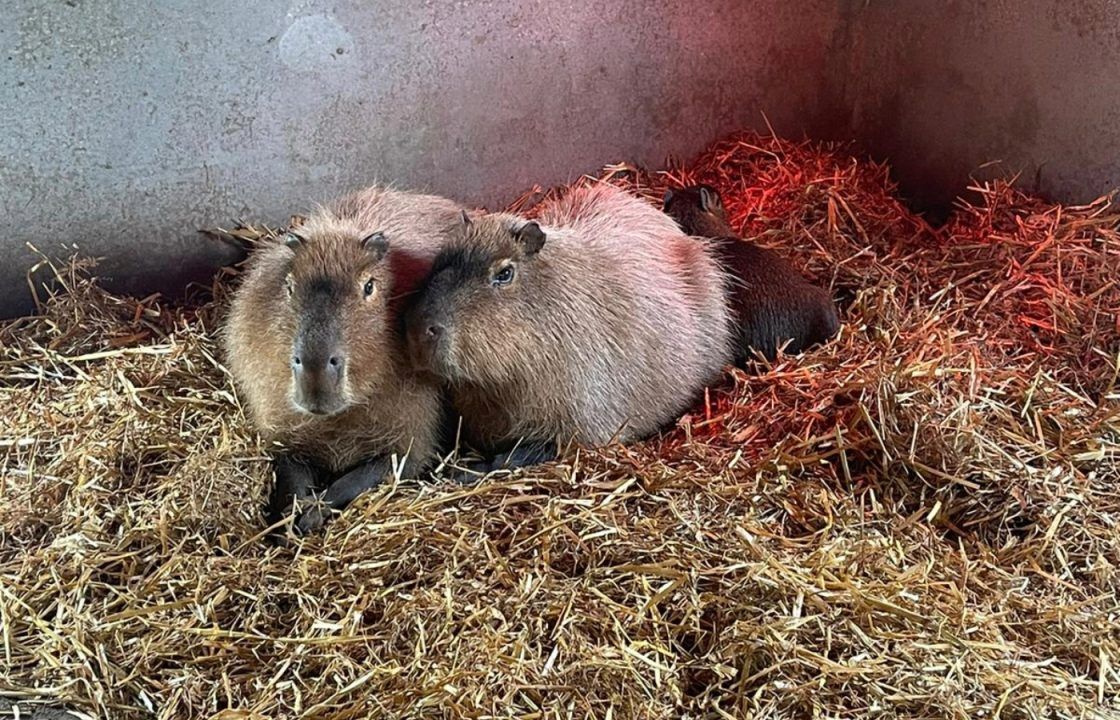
918, 520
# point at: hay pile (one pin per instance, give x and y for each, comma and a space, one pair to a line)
917, 520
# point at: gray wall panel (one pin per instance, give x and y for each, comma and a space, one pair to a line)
943, 88
128, 124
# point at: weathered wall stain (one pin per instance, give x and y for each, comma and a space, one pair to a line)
316, 43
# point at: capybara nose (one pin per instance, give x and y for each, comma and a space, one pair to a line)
309, 365
319, 382
425, 336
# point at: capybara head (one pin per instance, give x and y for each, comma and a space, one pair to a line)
699, 210
464, 326
332, 306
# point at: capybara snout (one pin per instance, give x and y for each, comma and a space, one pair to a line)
319, 377
427, 338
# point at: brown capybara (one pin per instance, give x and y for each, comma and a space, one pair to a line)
314, 344
773, 305
599, 320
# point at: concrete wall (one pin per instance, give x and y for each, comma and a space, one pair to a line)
128, 124
942, 88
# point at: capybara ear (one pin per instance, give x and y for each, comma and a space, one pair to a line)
531, 237
667, 199
375, 244
709, 198
292, 240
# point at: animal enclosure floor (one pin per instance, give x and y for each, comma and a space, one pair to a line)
919, 520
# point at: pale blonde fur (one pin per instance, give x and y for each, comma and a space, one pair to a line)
612, 330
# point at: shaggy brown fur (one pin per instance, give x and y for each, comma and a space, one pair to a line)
774, 306
603, 321
316, 292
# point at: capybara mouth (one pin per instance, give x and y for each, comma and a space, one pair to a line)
442, 361
321, 406
419, 353
430, 354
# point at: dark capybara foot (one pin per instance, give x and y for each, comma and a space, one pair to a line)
312, 520
524, 455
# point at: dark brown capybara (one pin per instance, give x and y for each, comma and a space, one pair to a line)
773, 305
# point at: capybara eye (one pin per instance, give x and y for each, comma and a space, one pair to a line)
369, 288
503, 276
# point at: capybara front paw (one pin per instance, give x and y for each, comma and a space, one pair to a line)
311, 520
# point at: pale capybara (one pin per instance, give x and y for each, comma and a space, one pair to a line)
600, 320
773, 305
313, 341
